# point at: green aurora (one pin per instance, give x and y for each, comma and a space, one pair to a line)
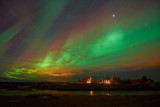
63, 38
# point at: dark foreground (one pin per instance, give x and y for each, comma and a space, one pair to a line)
80, 101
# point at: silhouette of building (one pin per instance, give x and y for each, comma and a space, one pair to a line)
112, 80
107, 80
116, 80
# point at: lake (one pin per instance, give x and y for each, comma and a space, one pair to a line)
4, 92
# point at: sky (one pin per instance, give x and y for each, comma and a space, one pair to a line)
66, 40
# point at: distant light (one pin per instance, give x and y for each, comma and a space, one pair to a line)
113, 15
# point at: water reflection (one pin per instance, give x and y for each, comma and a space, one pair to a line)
4, 92
91, 93
108, 94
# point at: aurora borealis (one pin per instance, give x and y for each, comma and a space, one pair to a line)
60, 40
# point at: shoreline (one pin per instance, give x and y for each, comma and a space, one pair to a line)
80, 87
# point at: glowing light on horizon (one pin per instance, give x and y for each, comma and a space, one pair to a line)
89, 80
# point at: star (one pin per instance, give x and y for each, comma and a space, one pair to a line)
113, 15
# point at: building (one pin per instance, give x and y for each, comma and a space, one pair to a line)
87, 80
107, 80
104, 81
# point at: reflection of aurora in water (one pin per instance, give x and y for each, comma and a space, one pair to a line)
56, 40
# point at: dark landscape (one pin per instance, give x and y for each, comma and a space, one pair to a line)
31, 94
81, 101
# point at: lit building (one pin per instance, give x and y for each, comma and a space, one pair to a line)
104, 82
87, 80
112, 80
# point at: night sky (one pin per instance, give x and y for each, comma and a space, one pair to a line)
64, 40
